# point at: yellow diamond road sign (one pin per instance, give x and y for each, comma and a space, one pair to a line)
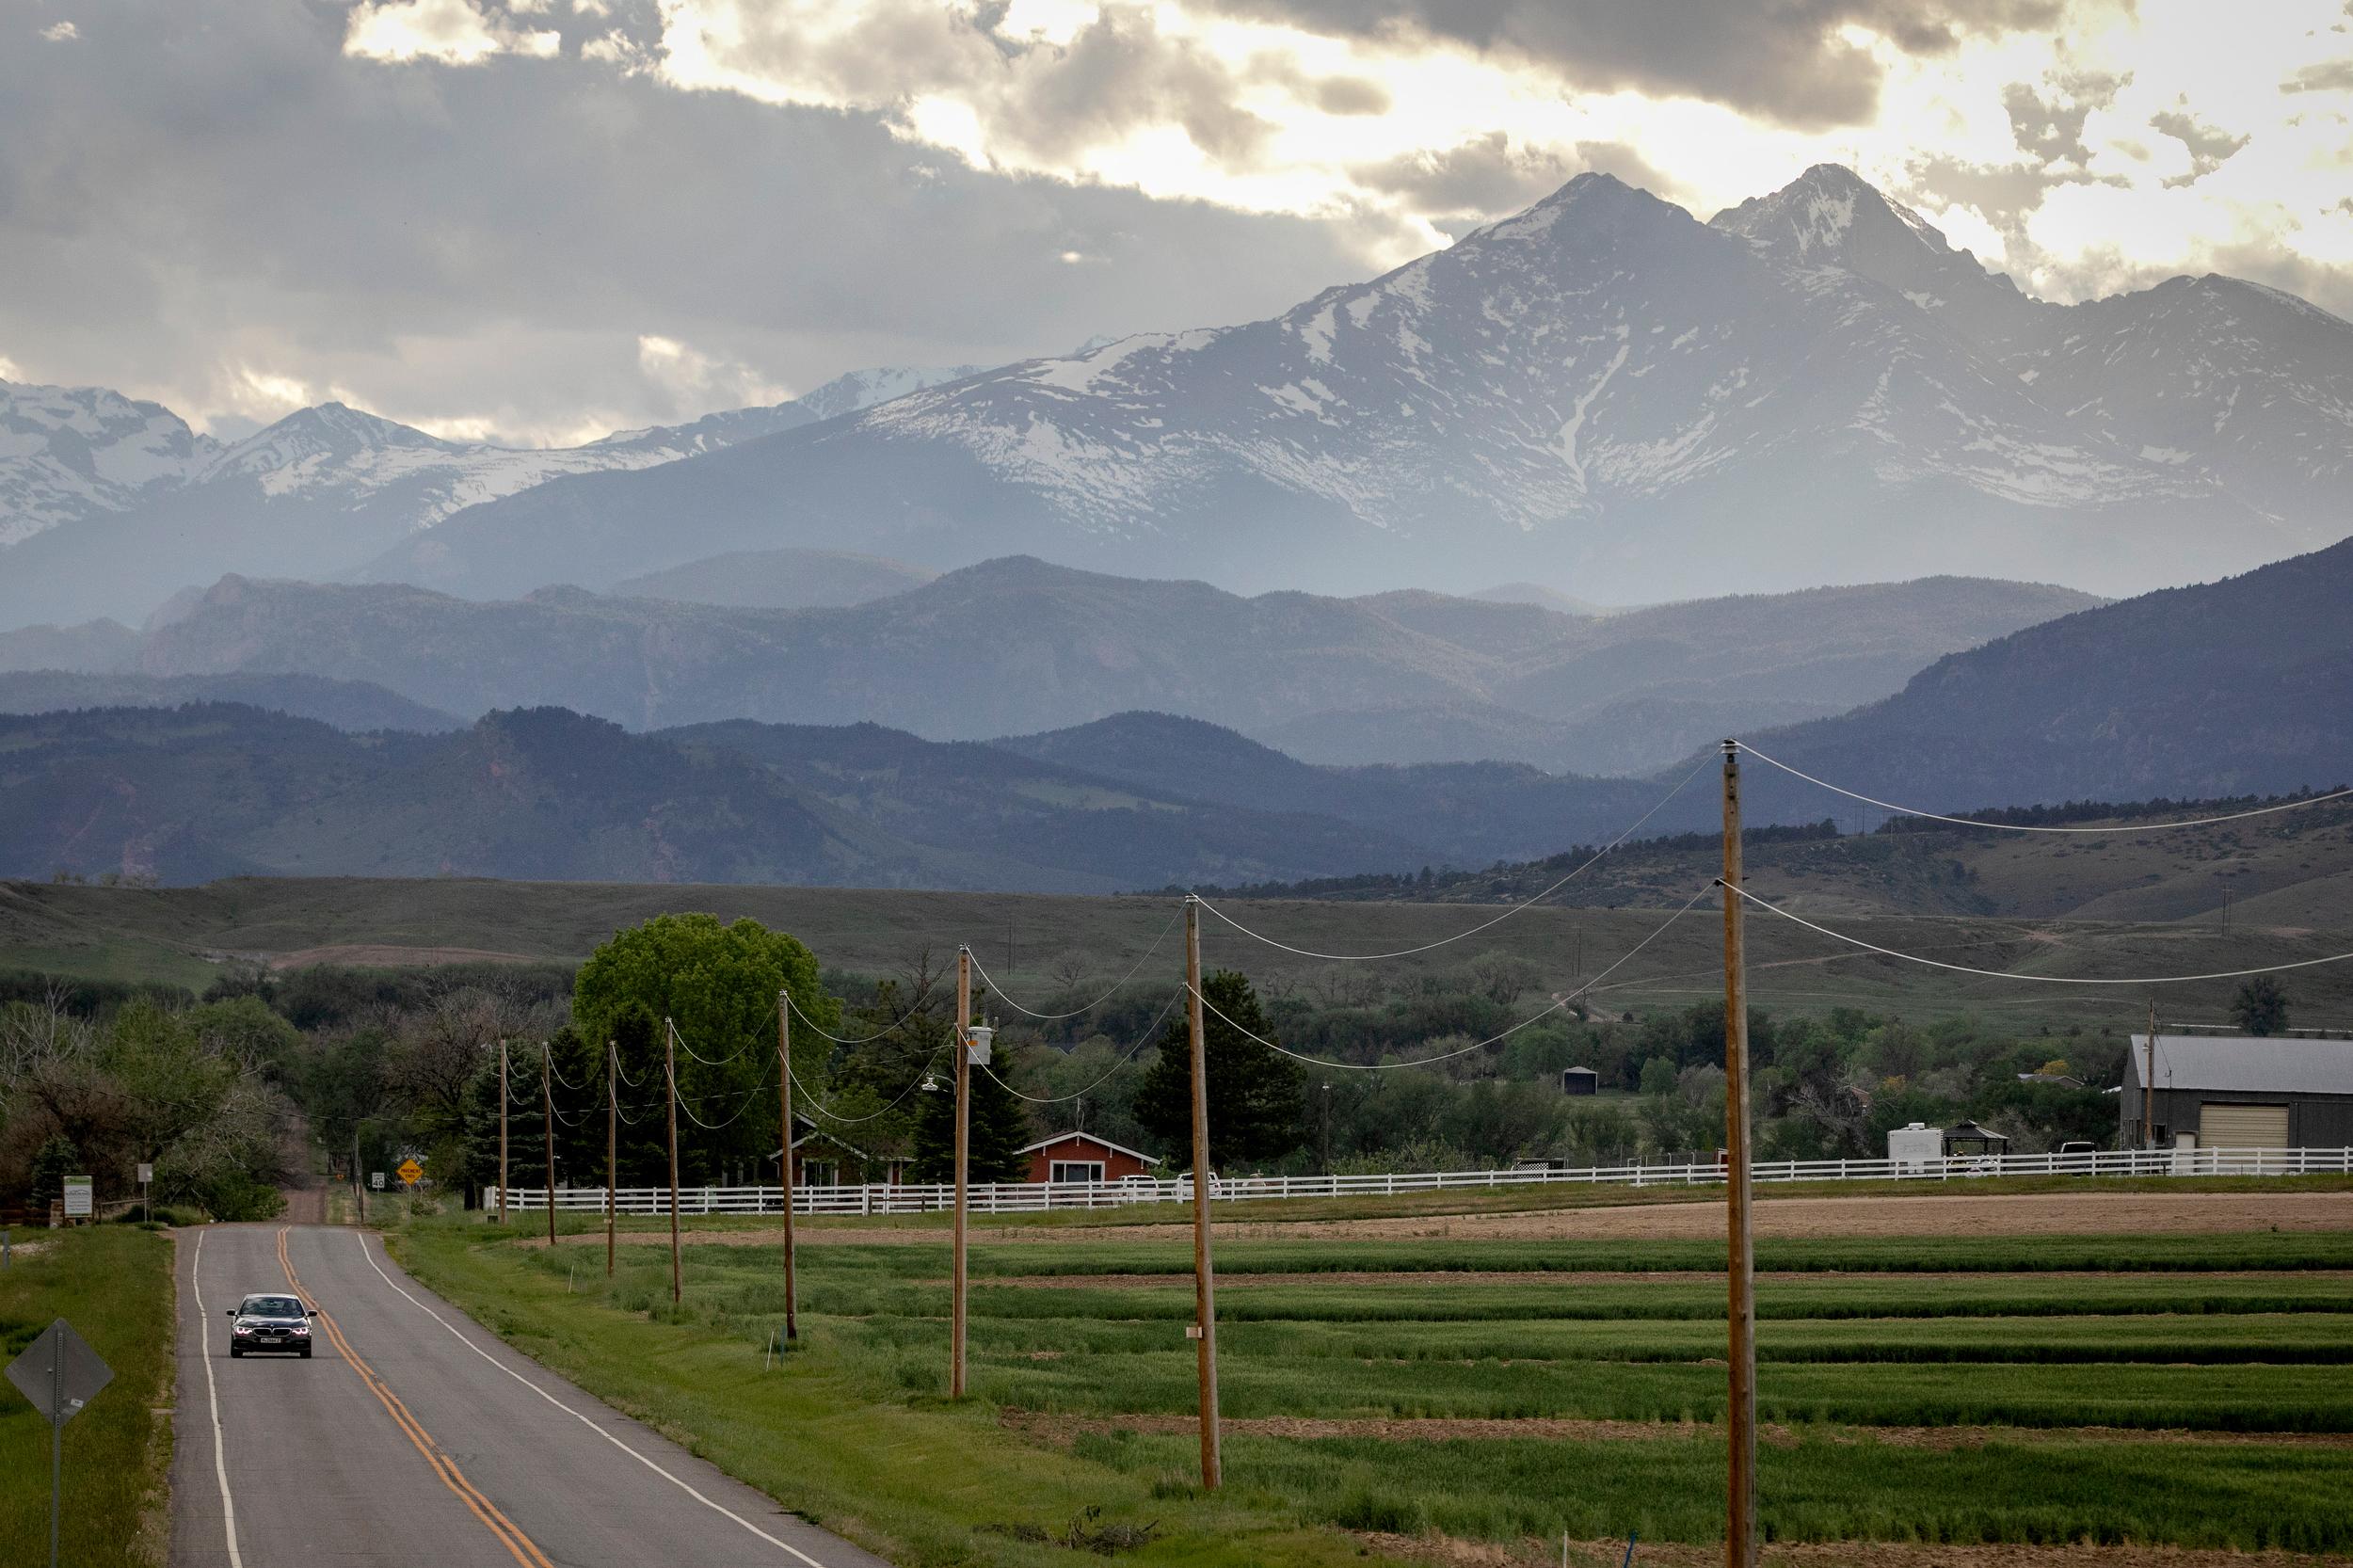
410, 1171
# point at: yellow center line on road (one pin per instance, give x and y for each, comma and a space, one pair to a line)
524, 1550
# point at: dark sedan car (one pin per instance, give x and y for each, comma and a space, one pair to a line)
273, 1324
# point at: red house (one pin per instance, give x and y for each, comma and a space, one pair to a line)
1083, 1157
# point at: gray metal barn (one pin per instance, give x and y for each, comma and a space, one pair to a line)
2241, 1092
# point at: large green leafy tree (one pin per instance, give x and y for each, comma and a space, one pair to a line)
1256, 1104
718, 985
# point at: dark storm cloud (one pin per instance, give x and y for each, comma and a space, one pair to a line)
1784, 60
210, 185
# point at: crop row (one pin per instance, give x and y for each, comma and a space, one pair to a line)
2219, 1496
2241, 1398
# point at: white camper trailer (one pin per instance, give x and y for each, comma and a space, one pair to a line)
1914, 1150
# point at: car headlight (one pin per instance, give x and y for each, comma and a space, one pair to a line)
243, 1328
303, 1328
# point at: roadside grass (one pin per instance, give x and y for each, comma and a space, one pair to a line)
926, 1483
113, 1284
2216, 1334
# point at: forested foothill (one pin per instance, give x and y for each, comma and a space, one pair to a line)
280, 1078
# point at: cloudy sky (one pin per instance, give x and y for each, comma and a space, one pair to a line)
537, 220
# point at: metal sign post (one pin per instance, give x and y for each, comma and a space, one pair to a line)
147, 1195
60, 1374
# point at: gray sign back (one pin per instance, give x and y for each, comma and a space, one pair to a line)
59, 1373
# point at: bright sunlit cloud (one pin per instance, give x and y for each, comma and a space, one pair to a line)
2087, 145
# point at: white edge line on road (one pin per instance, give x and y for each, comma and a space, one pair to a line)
583, 1420
212, 1395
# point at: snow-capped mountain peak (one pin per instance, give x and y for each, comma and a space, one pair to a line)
1831, 217
68, 453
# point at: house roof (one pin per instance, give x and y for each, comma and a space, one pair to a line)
1974, 1129
802, 1118
1088, 1138
2243, 1063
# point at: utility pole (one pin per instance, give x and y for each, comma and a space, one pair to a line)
1204, 1275
1741, 1268
502, 1133
613, 1138
547, 1122
964, 1150
669, 1072
2149, 1083
784, 1076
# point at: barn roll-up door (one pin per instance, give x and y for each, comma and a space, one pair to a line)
2242, 1127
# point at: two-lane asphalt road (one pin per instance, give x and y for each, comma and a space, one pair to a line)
412, 1438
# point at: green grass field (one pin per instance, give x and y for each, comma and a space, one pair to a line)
113, 1284
1977, 1388
185, 934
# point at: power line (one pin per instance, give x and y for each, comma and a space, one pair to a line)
1408, 953
705, 1060
1150, 1029
817, 1105
751, 1097
1055, 1017
899, 1024
1559, 1002
2021, 827
2041, 978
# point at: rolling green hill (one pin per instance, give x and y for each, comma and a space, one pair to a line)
2241, 686
207, 790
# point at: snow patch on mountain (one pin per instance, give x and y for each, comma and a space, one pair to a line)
67, 453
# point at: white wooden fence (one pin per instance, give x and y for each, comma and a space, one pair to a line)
1025, 1197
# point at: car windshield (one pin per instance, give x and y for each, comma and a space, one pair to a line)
271, 1306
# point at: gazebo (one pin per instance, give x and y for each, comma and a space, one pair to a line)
1963, 1138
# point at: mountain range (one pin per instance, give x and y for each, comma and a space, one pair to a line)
2228, 689
212, 790
107, 507
1602, 397
1602, 393
1017, 646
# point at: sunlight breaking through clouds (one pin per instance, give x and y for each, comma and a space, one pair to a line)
2089, 146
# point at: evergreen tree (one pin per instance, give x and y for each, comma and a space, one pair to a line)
55, 1162
1000, 1127
1000, 1123
2261, 1006
1256, 1103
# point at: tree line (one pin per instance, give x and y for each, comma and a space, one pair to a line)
270, 1079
